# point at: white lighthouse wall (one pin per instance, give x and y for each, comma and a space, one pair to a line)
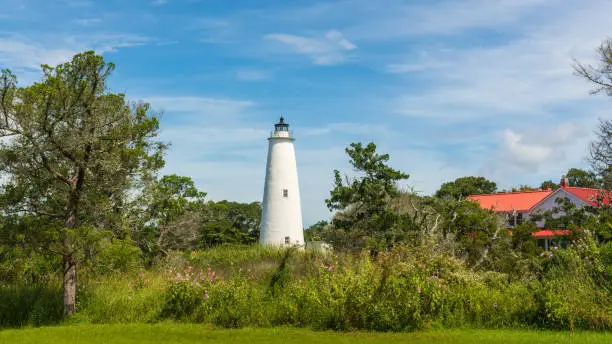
281, 216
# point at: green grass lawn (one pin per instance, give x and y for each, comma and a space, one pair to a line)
176, 333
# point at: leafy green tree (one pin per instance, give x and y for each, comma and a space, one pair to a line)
211, 224
316, 232
522, 188
549, 184
582, 178
363, 202
477, 232
522, 239
161, 203
229, 222
601, 224
172, 196
462, 187
71, 151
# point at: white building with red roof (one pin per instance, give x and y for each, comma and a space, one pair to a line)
517, 207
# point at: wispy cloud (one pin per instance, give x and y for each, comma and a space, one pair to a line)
330, 49
398, 19
20, 52
159, 2
524, 76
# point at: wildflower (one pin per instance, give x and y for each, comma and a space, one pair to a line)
419, 290
556, 247
205, 296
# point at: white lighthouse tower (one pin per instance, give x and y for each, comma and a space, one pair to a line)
281, 217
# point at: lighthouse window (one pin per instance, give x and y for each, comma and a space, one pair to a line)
285, 193
286, 240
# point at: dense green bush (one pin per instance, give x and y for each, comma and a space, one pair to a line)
17, 266
405, 288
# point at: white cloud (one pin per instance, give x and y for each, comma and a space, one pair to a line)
338, 37
523, 154
533, 155
396, 19
18, 52
328, 50
524, 76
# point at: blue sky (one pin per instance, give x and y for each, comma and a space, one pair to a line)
447, 88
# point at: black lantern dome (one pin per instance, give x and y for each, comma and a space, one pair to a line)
281, 125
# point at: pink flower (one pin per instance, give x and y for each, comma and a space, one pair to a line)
419, 289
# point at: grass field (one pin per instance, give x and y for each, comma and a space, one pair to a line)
176, 333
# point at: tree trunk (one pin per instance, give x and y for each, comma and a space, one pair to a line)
70, 276
69, 284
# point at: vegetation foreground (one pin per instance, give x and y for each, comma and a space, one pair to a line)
404, 289
177, 333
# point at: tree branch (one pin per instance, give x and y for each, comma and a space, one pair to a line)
56, 174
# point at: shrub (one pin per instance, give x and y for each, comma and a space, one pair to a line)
406, 288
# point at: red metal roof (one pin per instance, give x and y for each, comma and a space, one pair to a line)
548, 233
510, 201
589, 195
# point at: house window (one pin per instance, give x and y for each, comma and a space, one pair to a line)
287, 241
514, 219
285, 193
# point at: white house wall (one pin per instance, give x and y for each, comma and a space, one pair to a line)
550, 202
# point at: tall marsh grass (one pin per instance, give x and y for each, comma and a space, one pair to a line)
403, 289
